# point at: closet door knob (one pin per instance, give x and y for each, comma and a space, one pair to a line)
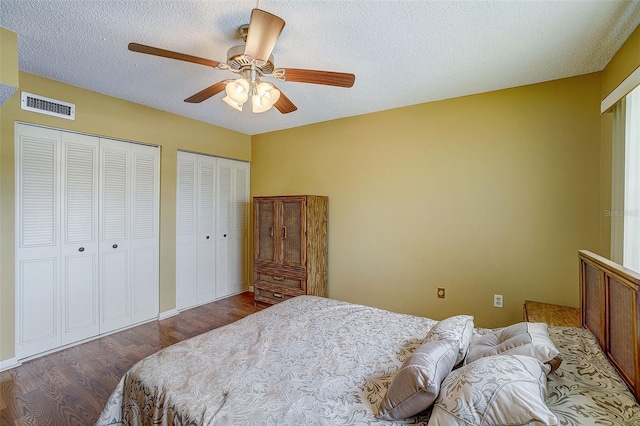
115, 246
207, 237
81, 249
225, 235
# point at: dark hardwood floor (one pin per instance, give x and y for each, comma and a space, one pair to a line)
70, 387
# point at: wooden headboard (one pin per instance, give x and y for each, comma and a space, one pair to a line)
610, 309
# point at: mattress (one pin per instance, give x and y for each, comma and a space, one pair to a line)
318, 361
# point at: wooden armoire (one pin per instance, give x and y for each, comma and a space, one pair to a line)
289, 247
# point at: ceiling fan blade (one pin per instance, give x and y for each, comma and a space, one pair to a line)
210, 91
150, 50
264, 30
328, 78
284, 105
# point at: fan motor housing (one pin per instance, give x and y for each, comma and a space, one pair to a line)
237, 61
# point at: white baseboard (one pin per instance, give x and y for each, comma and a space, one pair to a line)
9, 363
167, 314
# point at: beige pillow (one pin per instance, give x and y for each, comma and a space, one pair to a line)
458, 328
417, 383
495, 390
524, 338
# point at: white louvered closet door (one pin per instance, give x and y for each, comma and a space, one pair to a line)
187, 231
115, 231
87, 238
145, 241
232, 224
37, 240
206, 229
79, 239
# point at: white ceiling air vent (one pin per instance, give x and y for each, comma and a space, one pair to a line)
37, 103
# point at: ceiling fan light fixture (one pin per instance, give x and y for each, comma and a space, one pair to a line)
232, 103
238, 90
257, 105
265, 96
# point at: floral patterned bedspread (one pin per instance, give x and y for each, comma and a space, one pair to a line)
317, 361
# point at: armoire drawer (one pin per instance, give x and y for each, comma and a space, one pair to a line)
270, 296
280, 280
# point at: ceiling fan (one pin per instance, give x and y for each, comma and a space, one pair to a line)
253, 61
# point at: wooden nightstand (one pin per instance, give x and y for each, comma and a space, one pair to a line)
553, 315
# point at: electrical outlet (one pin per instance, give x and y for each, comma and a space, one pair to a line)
497, 300
440, 293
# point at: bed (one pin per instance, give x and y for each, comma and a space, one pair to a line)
316, 361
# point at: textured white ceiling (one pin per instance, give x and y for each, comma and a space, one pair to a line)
402, 52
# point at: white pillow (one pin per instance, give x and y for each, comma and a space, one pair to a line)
458, 328
523, 338
495, 390
417, 384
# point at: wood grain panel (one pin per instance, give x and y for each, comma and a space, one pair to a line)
304, 217
617, 309
317, 245
553, 315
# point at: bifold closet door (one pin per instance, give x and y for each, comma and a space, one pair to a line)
87, 238
37, 240
232, 225
206, 268
195, 230
129, 235
115, 231
145, 232
186, 231
79, 239
57, 263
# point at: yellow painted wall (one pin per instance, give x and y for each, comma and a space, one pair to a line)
491, 193
624, 62
114, 118
8, 58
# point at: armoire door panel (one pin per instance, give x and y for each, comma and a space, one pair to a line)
38, 302
292, 232
265, 246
